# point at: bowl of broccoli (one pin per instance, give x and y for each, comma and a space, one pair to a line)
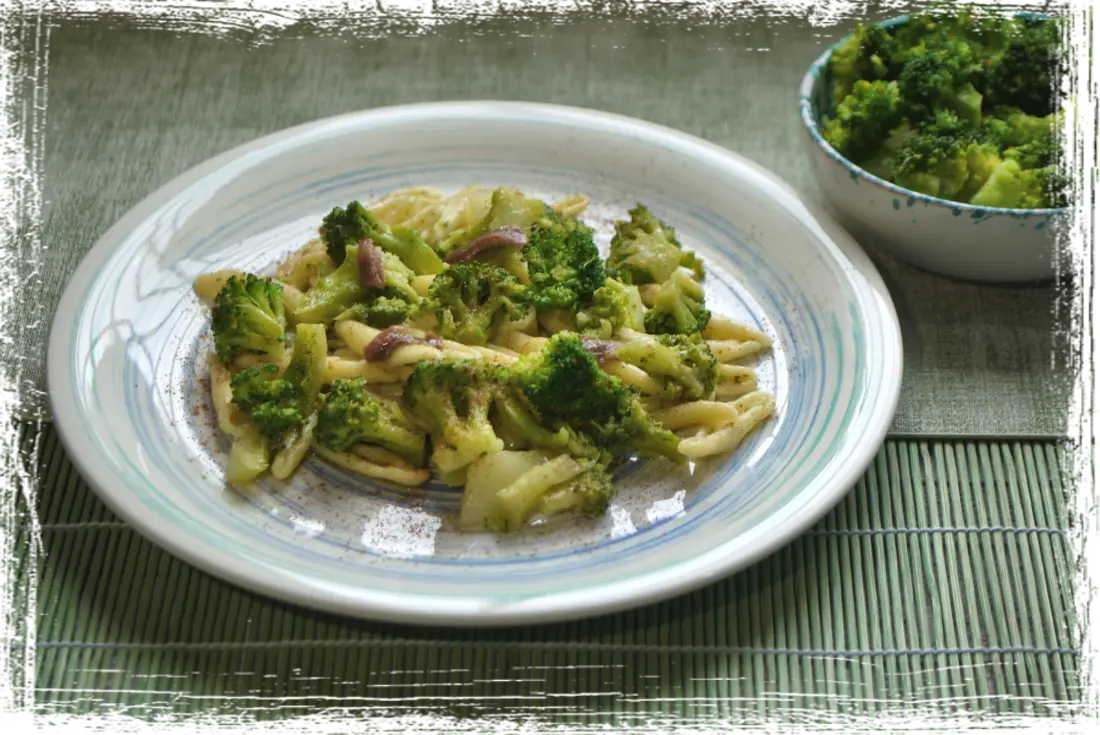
936, 136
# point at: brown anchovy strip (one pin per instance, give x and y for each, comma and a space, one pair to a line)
602, 349
504, 237
390, 338
372, 273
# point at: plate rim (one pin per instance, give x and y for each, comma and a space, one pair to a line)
632, 593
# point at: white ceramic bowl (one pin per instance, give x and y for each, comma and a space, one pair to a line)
964, 241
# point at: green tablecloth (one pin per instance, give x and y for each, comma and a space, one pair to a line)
949, 593
103, 100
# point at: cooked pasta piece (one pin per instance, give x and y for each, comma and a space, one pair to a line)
724, 328
207, 285
355, 463
711, 414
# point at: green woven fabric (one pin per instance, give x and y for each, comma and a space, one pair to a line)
941, 583
129, 108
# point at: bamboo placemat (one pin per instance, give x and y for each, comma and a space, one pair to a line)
941, 583
128, 107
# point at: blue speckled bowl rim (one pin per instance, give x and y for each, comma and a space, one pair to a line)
806, 93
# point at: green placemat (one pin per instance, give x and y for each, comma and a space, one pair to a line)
129, 107
942, 583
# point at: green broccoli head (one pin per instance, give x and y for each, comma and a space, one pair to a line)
277, 404
983, 24
520, 427
1026, 73
615, 305
382, 312
643, 249
588, 494
864, 119
470, 300
341, 290
349, 415
682, 363
941, 79
1010, 126
1058, 165
248, 316
867, 54
451, 400
345, 228
935, 160
679, 307
1013, 187
563, 261
564, 383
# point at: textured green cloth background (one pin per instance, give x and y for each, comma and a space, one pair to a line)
130, 108
950, 592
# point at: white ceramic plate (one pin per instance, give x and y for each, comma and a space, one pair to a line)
127, 389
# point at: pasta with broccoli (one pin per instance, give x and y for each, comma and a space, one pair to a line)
483, 339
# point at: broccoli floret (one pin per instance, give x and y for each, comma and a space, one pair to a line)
451, 399
563, 262
941, 79
864, 119
564, 383
934, 161
382, 312
643, 249
683, 364
248, 315
1010, 186
470, 300
981, 23
519, 426
679, 307
867, 54
614, 306
344, 228
508, 208
588, 494
278, 403
1039, 152
349, 415
1011, 126
340, 290
1024, 74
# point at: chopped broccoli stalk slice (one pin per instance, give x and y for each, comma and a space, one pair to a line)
249, 457
248, 316
563, 263
520, 499
679, 307
470, 301
349, 415
644, 249
682, 363
345, 228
